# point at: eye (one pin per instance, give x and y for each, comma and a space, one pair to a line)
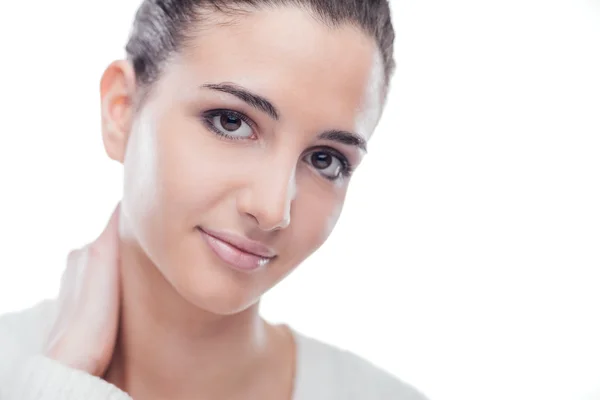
329, 163
229, 123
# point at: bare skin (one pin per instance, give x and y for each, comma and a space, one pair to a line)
89, 305
189, 326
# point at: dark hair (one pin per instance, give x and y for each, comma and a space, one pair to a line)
162, 27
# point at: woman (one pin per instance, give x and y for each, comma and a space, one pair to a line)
239, 124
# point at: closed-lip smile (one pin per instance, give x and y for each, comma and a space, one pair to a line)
238, 251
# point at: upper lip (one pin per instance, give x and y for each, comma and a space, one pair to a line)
242, 243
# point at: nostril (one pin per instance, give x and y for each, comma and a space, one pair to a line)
268, 201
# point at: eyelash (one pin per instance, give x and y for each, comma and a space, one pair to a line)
209, 115
347, 168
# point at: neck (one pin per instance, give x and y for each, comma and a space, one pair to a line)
169, 348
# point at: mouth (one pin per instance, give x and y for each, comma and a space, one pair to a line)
237, 251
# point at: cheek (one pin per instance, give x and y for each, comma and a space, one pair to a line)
316, 216
141, 201
140, 171
141, 191
332, 220
195, 172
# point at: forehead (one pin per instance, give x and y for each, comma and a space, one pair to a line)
307, 69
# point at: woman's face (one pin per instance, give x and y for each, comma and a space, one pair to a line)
247, 142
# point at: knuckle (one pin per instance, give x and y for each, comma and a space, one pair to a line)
98, 251
73, 259
72, 256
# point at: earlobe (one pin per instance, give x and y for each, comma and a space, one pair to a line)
117, 88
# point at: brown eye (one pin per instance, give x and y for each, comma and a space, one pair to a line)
330, 165
321, 160
230, 123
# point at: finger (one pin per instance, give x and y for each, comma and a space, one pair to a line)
105, 247
112, 226
96, 291
67, 299
71, 280
72, 262
70, 276
100, 260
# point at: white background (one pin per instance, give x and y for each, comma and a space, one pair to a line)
467, 258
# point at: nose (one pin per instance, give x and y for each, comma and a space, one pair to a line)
269, 195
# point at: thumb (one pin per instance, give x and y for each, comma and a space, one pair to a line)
108, 241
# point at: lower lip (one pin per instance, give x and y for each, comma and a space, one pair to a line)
233, 256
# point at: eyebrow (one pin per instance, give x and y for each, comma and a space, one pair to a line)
264, 105
347, 138
252, 99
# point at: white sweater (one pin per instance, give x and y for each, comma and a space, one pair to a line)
323, 372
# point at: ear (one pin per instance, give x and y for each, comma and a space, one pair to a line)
117, 89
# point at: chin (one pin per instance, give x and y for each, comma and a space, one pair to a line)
217, 292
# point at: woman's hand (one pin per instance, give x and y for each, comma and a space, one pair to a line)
84, 333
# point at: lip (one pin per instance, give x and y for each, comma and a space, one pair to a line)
238, 251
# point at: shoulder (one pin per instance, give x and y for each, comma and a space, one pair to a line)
347, 375
26, 374
22, 333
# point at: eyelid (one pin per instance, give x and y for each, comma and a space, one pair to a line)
347, 166
339, 154
225, 111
